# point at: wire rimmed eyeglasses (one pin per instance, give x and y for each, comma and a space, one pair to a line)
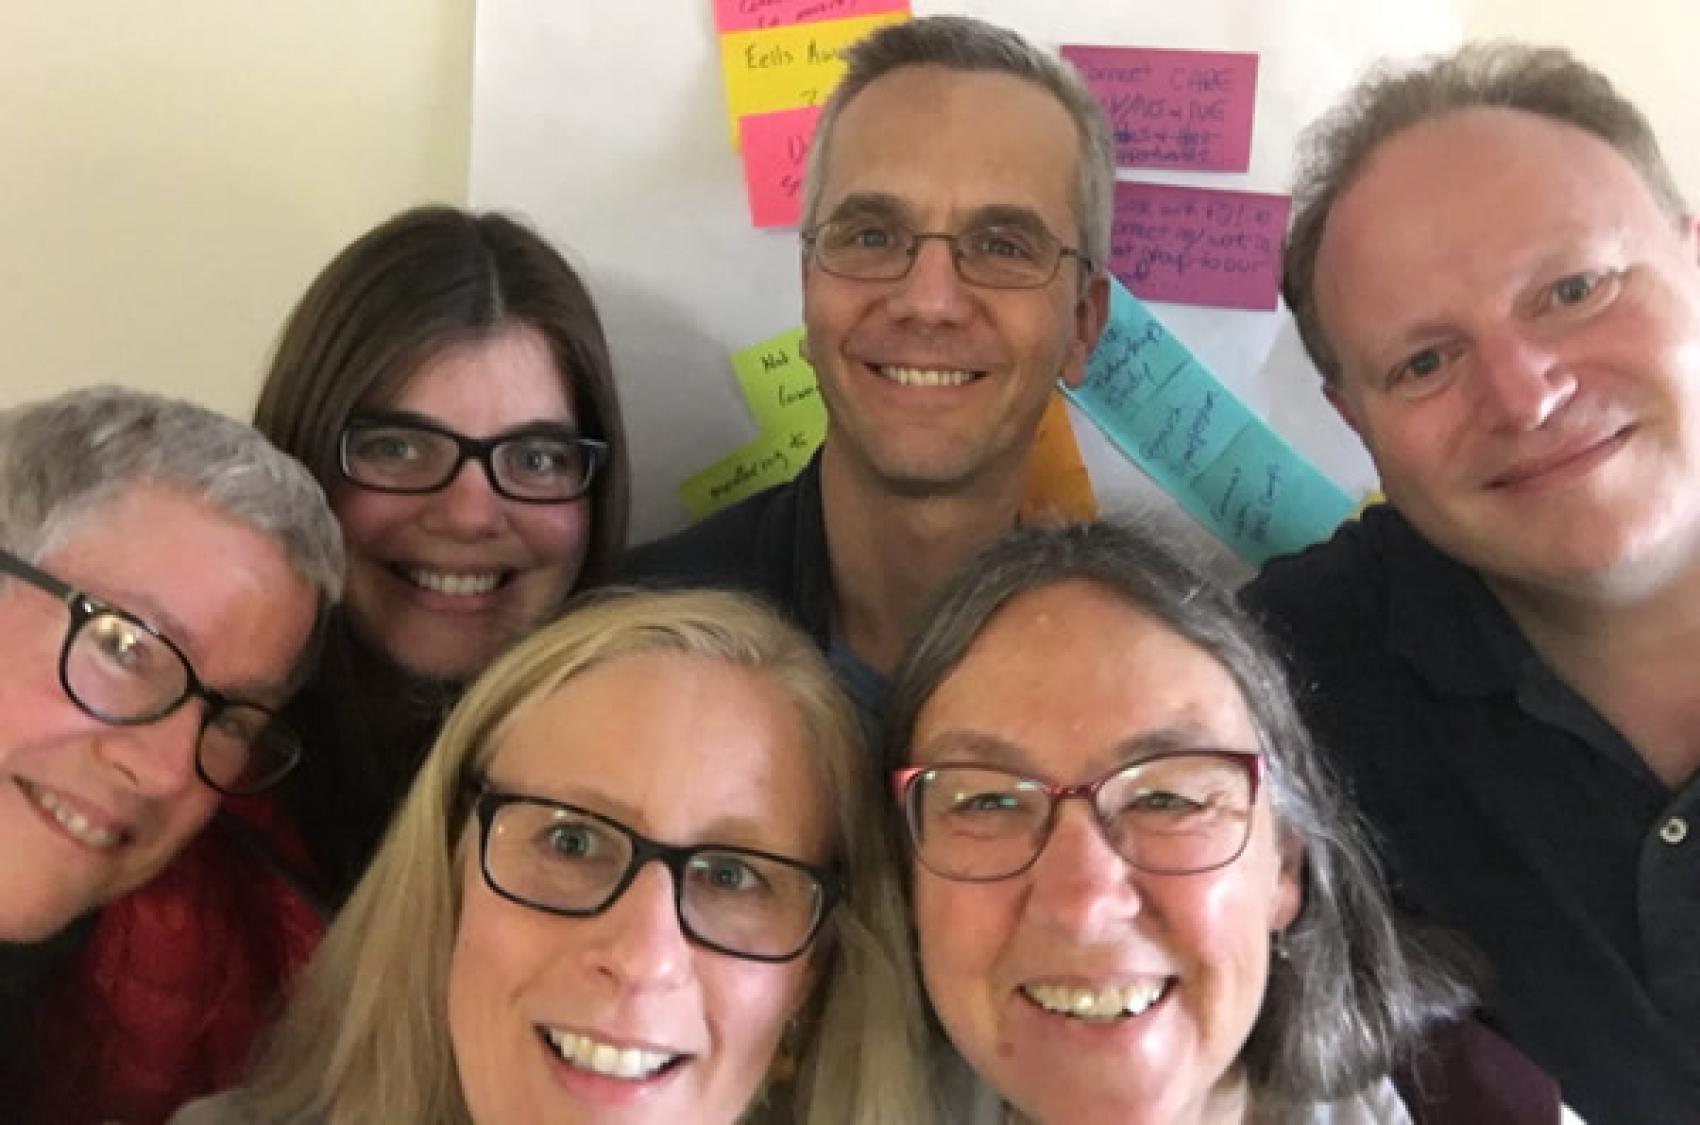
1000, 255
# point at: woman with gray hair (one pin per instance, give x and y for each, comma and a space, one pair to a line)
162, 572
1203, 935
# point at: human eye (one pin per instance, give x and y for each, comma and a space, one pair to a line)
1424, 372
1583, 290
1011, 244
386, 446
240, 724
543, 457
1164, 802
862, 233
123, 645
728, 873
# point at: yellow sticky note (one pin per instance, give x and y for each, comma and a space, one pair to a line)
779, 385
776, 68
773, 458
1058, 487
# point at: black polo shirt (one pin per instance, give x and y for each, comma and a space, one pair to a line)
1510, 809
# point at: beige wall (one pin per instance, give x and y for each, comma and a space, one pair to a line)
1647, 47
172, 174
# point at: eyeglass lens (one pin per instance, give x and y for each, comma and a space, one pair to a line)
1172, 814
568, 861
119, 671
999, 256
528, 466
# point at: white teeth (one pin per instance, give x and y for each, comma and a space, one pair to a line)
1096, 1004
460, 585
70, 819
605, 1058
926, 377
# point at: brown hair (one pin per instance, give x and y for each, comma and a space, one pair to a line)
421, 282
1548, 81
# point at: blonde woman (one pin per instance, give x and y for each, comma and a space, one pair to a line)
639, 878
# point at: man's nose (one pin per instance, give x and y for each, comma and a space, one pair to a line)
932, 291
1520, 381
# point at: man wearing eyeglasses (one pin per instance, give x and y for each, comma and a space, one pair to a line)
956, 221
162, 569
1500, 284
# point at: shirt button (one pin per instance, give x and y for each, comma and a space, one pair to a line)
1674, 830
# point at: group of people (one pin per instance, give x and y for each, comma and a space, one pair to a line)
355, 771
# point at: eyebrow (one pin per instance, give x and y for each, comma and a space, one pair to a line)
557, 427
877, 204
267, 693
958, 746
745, 832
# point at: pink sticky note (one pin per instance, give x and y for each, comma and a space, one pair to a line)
776, 152
746, 15
1174, 109
1197, 246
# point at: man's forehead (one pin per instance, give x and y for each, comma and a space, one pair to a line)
947, 143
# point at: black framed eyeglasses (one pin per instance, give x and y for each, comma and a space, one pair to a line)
1009, 255
561, 859
399, 452
1174, 813
121, 670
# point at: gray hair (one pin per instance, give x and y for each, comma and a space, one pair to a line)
1548, 81
971, 45
62, 459
1354, 992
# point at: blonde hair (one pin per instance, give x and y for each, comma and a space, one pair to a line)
365, 1037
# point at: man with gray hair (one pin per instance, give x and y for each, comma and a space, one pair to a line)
1496, 276
956, 223
162, 572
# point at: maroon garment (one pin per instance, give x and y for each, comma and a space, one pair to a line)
164, 1002
1467, 1075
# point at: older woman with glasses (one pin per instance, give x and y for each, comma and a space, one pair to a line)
1136, 895
640, 878
447, 381
162, 571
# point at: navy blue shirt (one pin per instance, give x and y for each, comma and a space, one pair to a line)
1510, 810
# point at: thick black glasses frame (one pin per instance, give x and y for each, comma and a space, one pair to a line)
84, 608
903, 783
811, 238
469, 449
645, 851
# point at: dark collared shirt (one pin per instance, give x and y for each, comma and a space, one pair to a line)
772, 544
1510, 810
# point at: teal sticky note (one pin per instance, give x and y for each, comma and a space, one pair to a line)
1189, 424
1199, 442
1135, 357
1265, 500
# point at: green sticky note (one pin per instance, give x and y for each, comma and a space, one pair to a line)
772, 458
779, 385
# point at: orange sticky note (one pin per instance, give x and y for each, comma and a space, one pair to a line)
1058, 487
776, 152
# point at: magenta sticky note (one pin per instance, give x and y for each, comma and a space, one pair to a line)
747, 15
1186, 110
776, 152
1198, 246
